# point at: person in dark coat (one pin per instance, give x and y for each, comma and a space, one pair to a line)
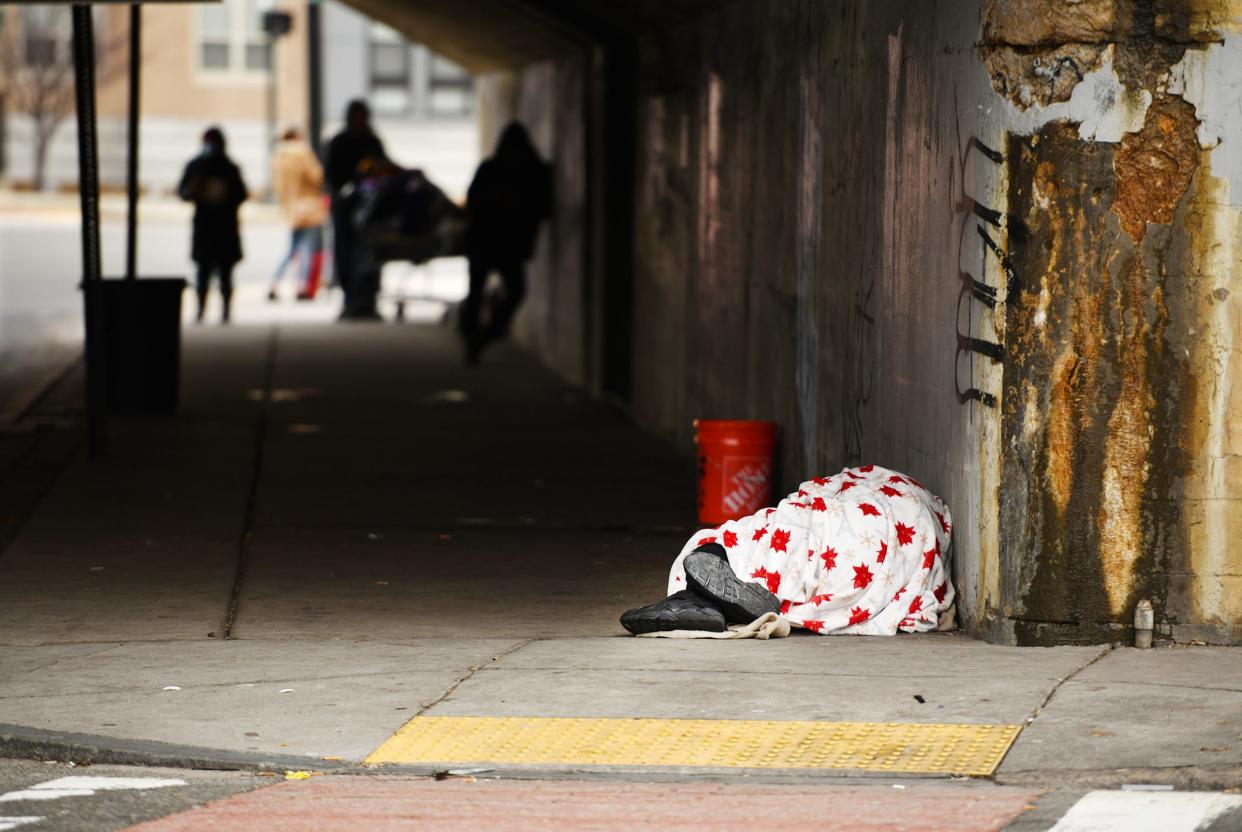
510, 196
349, 153
214, 184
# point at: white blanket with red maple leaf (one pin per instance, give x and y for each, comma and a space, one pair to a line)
859, 553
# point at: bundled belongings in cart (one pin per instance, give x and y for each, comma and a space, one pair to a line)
402, 215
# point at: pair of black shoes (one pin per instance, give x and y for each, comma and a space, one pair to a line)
715, 598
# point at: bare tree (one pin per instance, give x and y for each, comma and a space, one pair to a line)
36, 72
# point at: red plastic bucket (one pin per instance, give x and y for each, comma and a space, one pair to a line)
735, 467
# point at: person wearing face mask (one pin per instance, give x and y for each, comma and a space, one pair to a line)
214, 184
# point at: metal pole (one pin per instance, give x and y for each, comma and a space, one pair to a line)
314, 46
88, 190
135, 70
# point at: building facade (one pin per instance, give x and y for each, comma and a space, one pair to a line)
213, 63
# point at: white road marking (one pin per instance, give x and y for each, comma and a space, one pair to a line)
1145, 811
85, 787
14, 822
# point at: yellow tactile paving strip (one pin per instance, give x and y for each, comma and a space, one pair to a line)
867, 746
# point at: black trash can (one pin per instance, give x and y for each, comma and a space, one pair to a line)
142, 343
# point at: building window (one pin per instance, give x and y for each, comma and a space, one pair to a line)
450, 89
389, 70
46, 32
231, 37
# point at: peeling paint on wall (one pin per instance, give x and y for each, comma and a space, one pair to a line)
1103, 390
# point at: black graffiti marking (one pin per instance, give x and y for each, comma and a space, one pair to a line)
995, 155
969, 345
977, 290
988, 215
1011, 277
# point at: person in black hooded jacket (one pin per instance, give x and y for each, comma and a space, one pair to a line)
510, 196
214, 184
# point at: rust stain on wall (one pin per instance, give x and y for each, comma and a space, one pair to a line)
1154, 165
1043, 22
1096, 527
1127, 446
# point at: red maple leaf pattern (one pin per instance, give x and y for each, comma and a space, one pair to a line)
916, 604
905, 534
820, 481
855, 476
830, 557
780, 538
889, 491
883, 553
785, 605
730, 539
929, 558
867, 469
759, 533
869, 510
802, 493
943, 523
813, 626
858, 615
773, 578
896, 480
940, 592
706, 541
862, 576
900, 593
846, 486
818, 504
821, 599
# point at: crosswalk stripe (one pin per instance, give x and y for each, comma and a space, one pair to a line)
1132, 811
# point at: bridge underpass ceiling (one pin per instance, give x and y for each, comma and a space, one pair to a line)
492, 35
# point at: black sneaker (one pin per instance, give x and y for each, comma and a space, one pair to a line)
680, 611
710, 575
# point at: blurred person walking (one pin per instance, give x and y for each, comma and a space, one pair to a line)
351, 152
214, 184
297, 180
510, 195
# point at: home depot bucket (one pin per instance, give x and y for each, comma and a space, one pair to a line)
735, 467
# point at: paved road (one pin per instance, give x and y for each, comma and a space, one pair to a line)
38, 796
56, 797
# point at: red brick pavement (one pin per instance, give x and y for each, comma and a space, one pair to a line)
407, 803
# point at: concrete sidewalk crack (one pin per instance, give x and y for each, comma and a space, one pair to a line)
1039, 709
256, 473
469, 674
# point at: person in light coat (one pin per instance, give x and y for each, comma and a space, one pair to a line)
297, 180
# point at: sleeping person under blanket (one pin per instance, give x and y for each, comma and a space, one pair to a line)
859, 553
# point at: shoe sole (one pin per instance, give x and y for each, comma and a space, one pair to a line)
645, 620
741, 602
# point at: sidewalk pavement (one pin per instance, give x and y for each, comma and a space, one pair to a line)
344, 528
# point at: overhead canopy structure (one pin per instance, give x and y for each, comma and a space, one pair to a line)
491, 35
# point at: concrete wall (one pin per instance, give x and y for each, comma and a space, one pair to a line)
804, 174
989, 244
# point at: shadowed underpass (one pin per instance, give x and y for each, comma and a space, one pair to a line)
344, 528
326, 482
